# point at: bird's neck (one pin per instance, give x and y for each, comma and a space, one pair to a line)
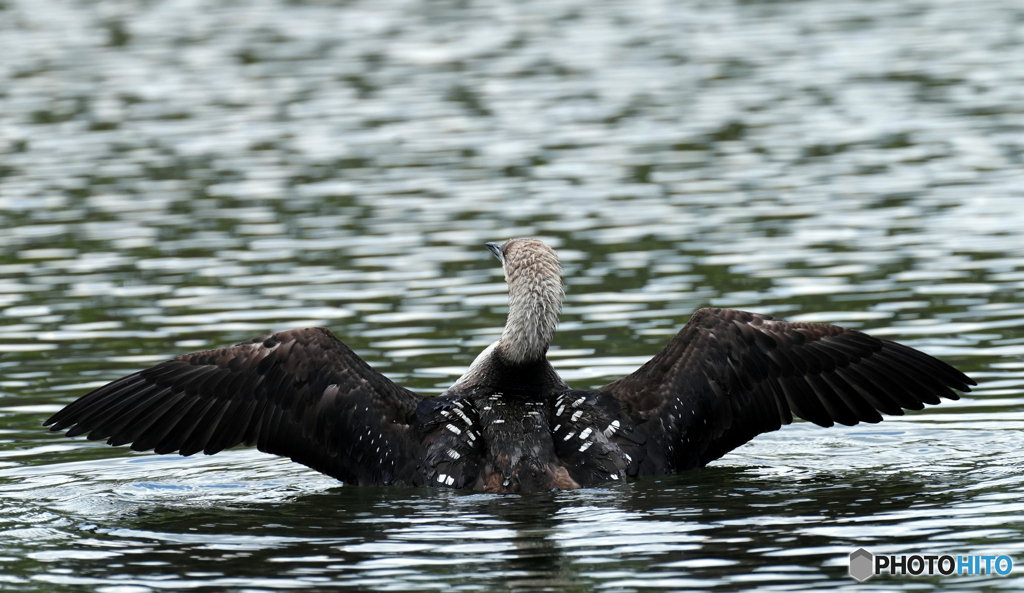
534, 301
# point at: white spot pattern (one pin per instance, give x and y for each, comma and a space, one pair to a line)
465, 418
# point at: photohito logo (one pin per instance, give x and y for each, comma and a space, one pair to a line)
864, 564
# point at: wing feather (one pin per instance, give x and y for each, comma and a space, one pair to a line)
301, 394
140, 433
729, 375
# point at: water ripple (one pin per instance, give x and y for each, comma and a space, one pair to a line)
309, 163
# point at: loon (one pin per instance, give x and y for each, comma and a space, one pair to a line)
510, 423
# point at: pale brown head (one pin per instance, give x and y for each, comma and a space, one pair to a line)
534, 279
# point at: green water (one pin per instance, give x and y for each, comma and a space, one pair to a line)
182, 175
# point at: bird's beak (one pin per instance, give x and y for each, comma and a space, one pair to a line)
495, 248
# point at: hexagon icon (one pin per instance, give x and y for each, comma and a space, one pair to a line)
862, 564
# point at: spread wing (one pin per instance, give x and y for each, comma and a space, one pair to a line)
302, 394
728, 376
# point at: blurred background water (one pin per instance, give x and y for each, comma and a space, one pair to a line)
183, 174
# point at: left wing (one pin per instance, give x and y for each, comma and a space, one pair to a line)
302, 394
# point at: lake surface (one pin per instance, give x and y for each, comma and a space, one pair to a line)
186, 174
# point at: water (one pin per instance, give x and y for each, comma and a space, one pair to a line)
188, 174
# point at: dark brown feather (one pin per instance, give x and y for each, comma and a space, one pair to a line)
729, 375
298, 393
726, 377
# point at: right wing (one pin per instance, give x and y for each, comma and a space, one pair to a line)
301, 394
729, 375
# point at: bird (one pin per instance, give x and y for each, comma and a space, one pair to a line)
510, 423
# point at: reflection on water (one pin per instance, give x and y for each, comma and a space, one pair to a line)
249, 520
182, 175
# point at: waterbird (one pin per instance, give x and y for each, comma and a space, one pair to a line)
510, 423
